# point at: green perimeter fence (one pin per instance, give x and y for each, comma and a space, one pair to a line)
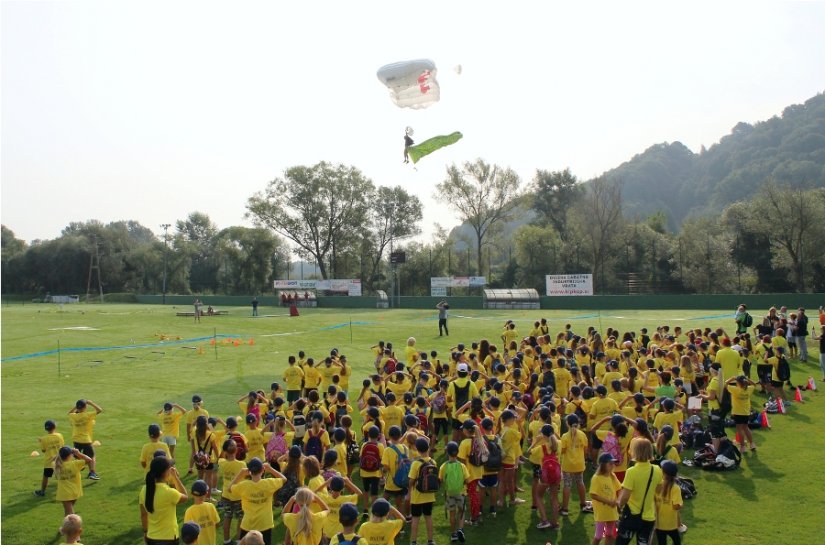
594, 302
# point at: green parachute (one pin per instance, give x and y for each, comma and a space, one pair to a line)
433, 144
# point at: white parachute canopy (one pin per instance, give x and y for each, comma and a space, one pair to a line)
412, 84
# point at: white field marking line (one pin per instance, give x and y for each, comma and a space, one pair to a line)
270, 316
75, 328
282, 334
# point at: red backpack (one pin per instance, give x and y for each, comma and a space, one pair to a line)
550, 468
370, 457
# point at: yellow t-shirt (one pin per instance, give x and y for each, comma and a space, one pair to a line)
293, 375
537, 452
673, 420
667, 518
572, 456
148, 452
229, 470
417, 497
163, 520
731, 362
256, 502
326, 374
190, 417
311, 377
392, 415
341, 462
206, 516
332, 525
635, 480
323, 435
381, 533
389, 459
601, 408
316, 528
170, 423
740, 399
713, 386
82, 424
610, 376
50, 444
608, 487
464, 450
255, 444
68, 480
510, 447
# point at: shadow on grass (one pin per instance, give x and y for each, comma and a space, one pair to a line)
761, 470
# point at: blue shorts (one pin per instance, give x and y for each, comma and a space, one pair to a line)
488, 481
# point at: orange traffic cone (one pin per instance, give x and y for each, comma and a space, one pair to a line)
212, 342
236, 343
798, 396
780, 406
251, 342
765, 422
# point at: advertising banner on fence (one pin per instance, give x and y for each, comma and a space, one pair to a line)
349, 286
438, 292
569, 284
457, 282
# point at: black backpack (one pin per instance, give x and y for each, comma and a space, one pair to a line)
494, 456
687, 487
427, 481
548, 379
462, 394
581, 414
748, 320
783, 370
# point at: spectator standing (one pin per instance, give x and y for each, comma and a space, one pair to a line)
802, 334
254, 306
442, 307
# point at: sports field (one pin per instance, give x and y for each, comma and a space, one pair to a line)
128, 359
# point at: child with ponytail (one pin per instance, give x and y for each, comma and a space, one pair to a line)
573, 448
158, 502
68, 464
304, 526
668, 504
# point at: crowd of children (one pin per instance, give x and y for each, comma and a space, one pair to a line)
554, 405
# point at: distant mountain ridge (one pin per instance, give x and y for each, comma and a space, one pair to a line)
671, 178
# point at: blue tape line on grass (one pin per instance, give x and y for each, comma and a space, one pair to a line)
726, 315
121, 347
345, 324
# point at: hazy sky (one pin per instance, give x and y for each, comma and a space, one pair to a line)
151, 110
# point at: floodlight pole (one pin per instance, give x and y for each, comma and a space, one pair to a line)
165, 227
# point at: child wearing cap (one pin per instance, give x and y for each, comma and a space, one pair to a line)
154, 444
347, 519
370, 464
254, 438
203, 513
191, 416
380, 530
68, 464
741, 389
511, 451
421, 502
332, 492
190, 532
305, 525
229, 506
668, 504
544, 443
71, 529
256, 497
604, 493
394, 453
170, 416
293, 377
50, 444
455, 477
573, 448
465, 449
83, 421
664, 449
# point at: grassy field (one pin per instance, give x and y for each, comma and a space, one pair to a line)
773, 498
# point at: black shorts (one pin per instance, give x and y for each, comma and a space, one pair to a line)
457, 424
48, 472
293, 395
764, 373
717, 426
85, 448
175, 541
537, 471
371, 485
740, 419
440, 425
595, 442
210, 467
396, 493
777, 383
418, 509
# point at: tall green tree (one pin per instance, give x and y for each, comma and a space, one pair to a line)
553, 194
484, 195
598, 217
315, 207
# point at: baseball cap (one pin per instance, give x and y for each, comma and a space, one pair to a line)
196, 398
336, 484
190, 531
606, 457
381, 508
255, 465
199, 488
295, 451
468, 425
347, 514
462, 368
167, 406
452, 448
669, 467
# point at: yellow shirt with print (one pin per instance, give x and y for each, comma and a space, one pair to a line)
256, 502
464, 450
255, 443
312, 378
316, 528
572, 452
740, 399
667, 518
50, 444
510, 447
170, 423
392, 415
68, 480
389, 461
381, 533
607, 487
602, 408
148, 452
206, 516
229, 470
347, 537
82, 425
332, 525
293, 376
163, 521
673, 419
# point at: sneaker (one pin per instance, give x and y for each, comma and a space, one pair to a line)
518, 501
587, 508
460, 535
94, 476
453, 537
564, 512
682, 528
408, 519
544, 524
39, 493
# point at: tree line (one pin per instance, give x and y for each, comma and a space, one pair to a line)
512, 232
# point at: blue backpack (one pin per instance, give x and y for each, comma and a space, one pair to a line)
343, 541
401, 479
